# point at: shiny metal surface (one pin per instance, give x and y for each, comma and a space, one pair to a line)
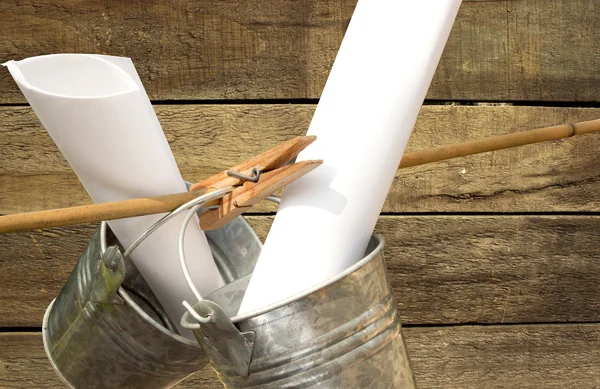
344, 333
106, 329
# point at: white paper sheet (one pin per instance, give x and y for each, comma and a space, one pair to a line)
363, 121
98, 114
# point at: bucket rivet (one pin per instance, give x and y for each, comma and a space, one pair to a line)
111, 265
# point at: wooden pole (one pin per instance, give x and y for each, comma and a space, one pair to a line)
94, 212
499, 142
161, 204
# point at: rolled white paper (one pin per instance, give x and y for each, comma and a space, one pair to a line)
98, 114
363, 121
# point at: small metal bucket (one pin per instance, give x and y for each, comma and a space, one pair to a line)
344, 333
106, 329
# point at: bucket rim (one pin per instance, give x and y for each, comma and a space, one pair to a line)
349, 270
45, 321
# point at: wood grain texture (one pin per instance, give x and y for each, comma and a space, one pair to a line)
553, 176
521, 356
444, 269
278, 49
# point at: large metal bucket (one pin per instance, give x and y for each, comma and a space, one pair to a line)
106, 329
344, 333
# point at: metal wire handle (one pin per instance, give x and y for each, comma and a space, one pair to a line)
184, 267
193, 206
200, 200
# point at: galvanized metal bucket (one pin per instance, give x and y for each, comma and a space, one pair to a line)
106, 329
344, 333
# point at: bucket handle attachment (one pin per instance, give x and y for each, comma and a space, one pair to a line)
219, 337
108, 278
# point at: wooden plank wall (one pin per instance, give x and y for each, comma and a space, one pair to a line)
494, 258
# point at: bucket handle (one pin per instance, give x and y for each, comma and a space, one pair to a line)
201, 319
196, 204
220, 338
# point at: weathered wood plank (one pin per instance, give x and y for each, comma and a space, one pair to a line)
189, 49
521, 356
444, 269
553, 176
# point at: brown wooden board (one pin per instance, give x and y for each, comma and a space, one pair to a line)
548, 177
444, 269
520, 356
529, 50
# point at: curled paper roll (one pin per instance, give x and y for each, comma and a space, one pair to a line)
363, 121
97, 112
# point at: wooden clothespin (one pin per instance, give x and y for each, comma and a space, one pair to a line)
254, 179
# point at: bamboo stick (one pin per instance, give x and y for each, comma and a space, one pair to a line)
160, 204
498, 142
94, 212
